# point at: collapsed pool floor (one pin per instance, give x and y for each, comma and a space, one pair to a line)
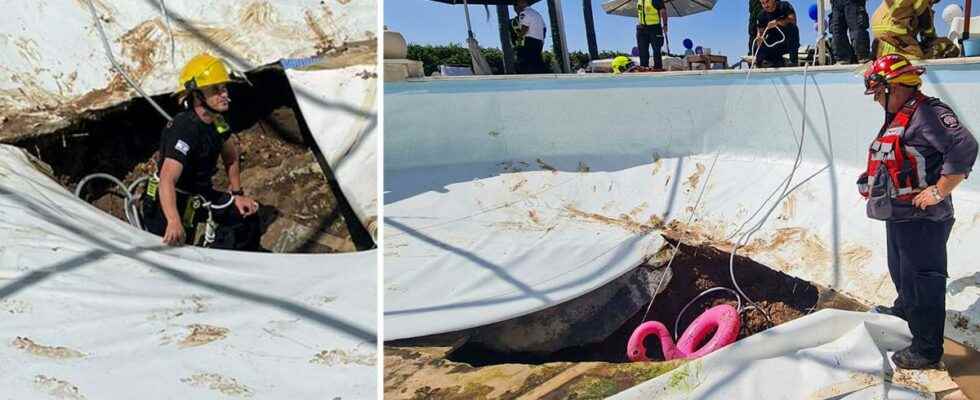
695, 269
450, 366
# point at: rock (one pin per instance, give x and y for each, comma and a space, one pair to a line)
587, 319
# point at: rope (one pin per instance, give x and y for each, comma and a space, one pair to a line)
786, 190
119, 68
170, 31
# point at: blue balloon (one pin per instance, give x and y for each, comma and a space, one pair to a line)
699, 50
688, 44
813, 11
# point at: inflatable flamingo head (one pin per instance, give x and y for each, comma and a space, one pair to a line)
635, 350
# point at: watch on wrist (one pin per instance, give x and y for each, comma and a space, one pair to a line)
239, 192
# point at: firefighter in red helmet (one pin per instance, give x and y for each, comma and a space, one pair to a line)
920, 154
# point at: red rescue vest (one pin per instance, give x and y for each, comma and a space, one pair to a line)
902, 166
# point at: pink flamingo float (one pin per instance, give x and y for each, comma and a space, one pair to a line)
722, 319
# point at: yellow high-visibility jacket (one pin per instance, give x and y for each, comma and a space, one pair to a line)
647, 12
901, 24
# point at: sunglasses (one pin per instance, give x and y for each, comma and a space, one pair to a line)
871, 83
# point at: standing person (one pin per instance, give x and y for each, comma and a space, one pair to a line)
182, 196
777, 34
907, 27
650, 29
527, 35
849, 27
921, 153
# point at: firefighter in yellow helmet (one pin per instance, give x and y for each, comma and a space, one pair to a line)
181, 204
906, 27
622, 64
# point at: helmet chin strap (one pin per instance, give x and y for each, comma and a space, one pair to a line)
200, 97
888, 94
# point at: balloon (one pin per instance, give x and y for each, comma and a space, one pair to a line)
635, 52
699, 50
688, 44
952, 11
813, 12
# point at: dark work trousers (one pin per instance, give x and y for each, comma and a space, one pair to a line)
529, 59
234, 231
647, 35
917, 265
849, 27
773, 56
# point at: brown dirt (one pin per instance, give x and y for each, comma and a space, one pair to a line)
219, 383
39, 350
963, 365
203, 334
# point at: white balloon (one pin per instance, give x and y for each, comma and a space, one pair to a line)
952, 11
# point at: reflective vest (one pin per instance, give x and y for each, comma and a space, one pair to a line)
646, 13
895, 171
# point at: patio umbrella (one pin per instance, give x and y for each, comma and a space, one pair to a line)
675, 8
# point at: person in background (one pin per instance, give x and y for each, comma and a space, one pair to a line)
849, 27
919, 156
777, 34
650, 29
527, 36
906, 27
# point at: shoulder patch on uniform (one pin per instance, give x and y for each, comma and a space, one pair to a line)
949, 120
182, 147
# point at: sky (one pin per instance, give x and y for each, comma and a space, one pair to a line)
722, 29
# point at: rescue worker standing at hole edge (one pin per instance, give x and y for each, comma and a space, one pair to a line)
906, 27
183, 196
650, 30
921, 153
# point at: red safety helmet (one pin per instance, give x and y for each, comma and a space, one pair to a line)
889, 69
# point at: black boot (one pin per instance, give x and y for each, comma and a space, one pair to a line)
908, 359
888, 311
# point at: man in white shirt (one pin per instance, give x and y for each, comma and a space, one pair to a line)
527, 36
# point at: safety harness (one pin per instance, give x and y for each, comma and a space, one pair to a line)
895, 171
205, 235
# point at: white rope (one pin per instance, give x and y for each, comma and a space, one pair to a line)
119, 68
745, 237
132, 215
170, 31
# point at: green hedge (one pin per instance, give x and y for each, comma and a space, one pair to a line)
455, 54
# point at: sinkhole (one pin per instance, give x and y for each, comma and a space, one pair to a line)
303, 209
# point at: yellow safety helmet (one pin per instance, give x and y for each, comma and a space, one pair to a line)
203, 70
621, 64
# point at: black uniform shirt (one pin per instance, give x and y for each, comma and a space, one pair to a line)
196, 145
783, 10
